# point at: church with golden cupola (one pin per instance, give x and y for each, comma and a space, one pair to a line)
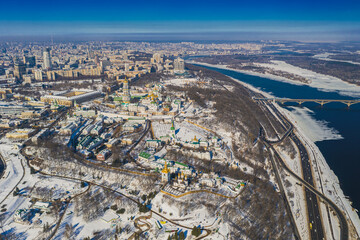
165, 174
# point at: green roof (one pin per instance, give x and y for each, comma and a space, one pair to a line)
145, 155
182, 164
135, 119
117, 98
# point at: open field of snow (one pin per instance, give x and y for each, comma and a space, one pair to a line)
161, 129
187, 131
181, 81
325, 56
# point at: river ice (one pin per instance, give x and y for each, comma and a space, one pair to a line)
316, 130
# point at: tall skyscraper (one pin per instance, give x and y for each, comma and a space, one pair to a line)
30, 61
19, 69
97, 60
47, 58
179, 65
126, 67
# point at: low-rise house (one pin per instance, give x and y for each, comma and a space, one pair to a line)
24, 133
126, 141
84, 142
204, 144
153, 143
95, 143
85, 113
144, 156
208, 182
21, 216
103, 155
112, 142
44, 206
86, 153
131, 127
98, 128
88, 129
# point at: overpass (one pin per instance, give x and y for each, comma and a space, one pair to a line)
347, 102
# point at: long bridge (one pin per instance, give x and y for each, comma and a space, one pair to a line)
319, 101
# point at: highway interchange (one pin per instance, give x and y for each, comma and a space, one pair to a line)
311, 194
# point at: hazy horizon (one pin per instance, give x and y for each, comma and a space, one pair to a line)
191, 20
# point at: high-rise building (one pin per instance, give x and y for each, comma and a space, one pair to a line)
19, 69
47, 58
39, 75
30, 61
157, 58
126, 67
97, 60
179, 65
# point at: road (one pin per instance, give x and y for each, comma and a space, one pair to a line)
313, 210
311, 193
18, 182
317, 231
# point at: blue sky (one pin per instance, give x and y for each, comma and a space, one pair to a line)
20, 17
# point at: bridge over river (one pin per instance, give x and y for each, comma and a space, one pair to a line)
347, 102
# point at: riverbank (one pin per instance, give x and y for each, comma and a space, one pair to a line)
319, 81
325, 178
329, 180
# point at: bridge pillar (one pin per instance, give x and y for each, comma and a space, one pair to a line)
299, 102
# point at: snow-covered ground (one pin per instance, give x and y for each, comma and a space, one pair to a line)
187, 131
161, 129
329, 179
14, 170
186, 212
319, 81
181, 81
270, 76
325, 56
